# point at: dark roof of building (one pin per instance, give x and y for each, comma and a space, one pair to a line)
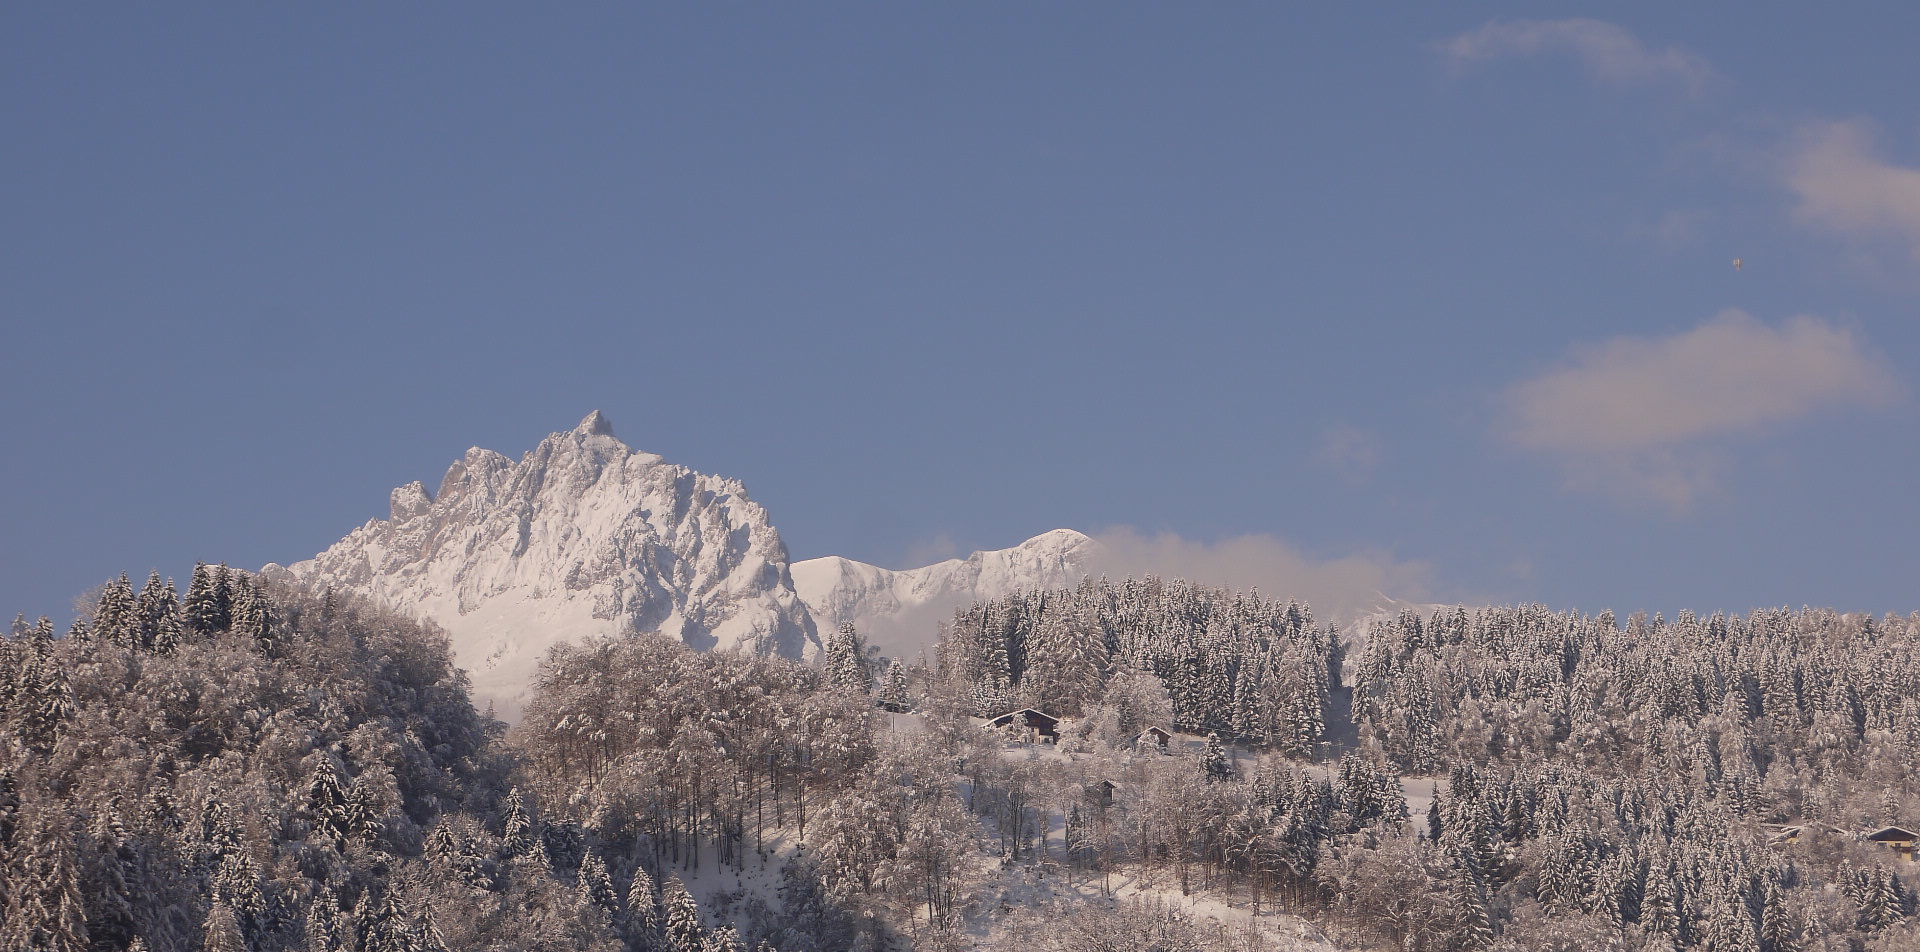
1025, 710
1890, 833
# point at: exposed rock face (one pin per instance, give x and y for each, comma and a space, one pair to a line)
900, 610
583, 536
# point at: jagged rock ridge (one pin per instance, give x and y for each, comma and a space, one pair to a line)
583, 536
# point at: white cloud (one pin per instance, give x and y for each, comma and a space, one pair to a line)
1643, 416
1609, 53
1338, 589
1842, 183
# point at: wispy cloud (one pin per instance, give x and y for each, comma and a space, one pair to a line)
1350, 451
1842, 183
1646, 417
939, 548
1338, 589
1608, 53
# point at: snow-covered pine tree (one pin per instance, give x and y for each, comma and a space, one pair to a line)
44, 699
681, 929
253, 620
893, 690
643, 928
237, 885
595, 886
516, 835
197, 608
157, 612
1473, 929
1214, 764
384, 924
361, 816
442, 848
845, 660
725, 939
1779, 928
49, 912
325, 932
114, 621
327, 802
222, 930
104, 881
1878, 900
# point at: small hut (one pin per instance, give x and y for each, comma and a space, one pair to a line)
1032, 724
1100, 793
1152, 737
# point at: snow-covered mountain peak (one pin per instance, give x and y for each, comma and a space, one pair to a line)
595, 424
406, 502
900, 609
582, 536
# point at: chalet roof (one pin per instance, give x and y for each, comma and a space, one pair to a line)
1154, 730
1025, 710
1888, 834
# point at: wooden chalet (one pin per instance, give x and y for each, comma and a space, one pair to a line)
1100, 792
1037, 725
1152, 737
1897, 838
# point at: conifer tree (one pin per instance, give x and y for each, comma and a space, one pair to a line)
46, 703
114, 622
383, 924
157, 612
595, 886
516, 838
682, 921
845, 661
1779, 930
49, 911
362, 817
442, 849
237, 885
1213, 760
1878, 900
893, 691
724, 939
222, 930
253, 618
105, 882
1474, 929
643, 926
204, 611
327, 802
325, 931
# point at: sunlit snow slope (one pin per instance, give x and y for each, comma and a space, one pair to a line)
900, 610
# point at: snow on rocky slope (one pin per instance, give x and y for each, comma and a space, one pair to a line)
899, 610
583, 536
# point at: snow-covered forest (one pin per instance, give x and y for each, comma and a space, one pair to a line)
260, 768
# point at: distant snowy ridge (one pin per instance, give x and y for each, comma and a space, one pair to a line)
583, 536
900, 609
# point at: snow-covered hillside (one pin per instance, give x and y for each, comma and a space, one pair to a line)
582, 536
898, 610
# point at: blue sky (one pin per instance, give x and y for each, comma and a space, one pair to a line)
1446, 295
